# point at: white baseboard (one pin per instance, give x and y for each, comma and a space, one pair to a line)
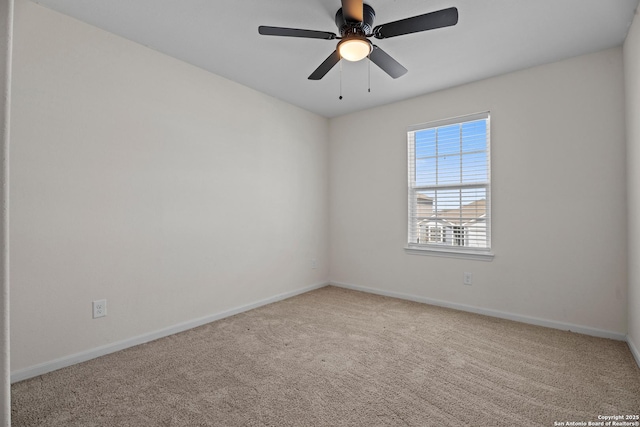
634, 350
489, 312
63, 362
73, 359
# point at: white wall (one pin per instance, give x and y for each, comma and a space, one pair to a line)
632, 85
171, 192
558, 155
6, 33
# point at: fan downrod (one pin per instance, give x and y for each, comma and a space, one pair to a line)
349, 28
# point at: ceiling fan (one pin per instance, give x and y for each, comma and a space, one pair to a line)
355, 24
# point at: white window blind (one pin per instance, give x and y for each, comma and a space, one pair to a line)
450, 185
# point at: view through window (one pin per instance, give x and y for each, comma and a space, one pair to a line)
449, 184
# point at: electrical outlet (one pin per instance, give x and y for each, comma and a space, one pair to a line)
468, 279
99, 308
314, 264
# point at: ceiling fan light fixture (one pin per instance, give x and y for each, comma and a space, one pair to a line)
355, 24
354, 49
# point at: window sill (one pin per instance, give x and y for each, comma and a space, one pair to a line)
450, 253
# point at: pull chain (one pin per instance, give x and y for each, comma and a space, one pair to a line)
369, 72
340, 97
368, 76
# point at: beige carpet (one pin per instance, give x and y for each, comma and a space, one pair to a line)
335, 357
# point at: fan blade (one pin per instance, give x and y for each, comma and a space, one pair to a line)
428, 21
352, 10
387, 63
294, 32
327, 65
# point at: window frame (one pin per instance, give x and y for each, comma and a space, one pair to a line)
443, 249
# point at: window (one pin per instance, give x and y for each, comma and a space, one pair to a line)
458, 235
431, 233
435, 234
450, 186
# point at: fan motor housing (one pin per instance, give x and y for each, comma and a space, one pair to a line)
351, 28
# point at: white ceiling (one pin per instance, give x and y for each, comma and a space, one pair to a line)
492, 37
